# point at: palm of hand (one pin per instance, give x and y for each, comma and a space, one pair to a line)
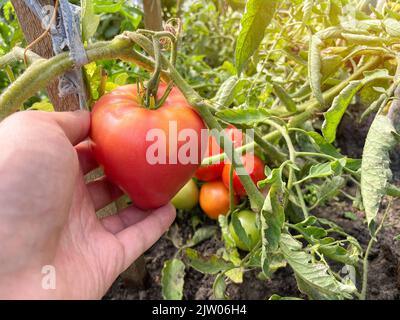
48, 212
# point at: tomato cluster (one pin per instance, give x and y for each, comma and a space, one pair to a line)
214, 194
120, 125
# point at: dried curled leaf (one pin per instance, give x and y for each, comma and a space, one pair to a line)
375, 170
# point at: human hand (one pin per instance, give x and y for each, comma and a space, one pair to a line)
47, 212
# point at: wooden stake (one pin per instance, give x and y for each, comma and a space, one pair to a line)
32, 28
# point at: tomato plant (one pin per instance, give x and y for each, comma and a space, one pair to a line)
119, 131
188, 197
214, 171
252, 164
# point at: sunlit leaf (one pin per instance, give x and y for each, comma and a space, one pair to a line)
258, 14
307, 10
392, 27
89, 20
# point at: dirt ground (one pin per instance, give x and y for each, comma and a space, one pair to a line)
384, 269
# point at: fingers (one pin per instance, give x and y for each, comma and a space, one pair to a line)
103, 192
86, 156
75, 124
140, 236
124, 219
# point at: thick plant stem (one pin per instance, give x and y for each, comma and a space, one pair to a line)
17, 54
37, 76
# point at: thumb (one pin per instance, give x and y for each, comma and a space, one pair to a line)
76, 124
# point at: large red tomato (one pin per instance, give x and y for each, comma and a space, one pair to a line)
214, 171
146, 152
254, 167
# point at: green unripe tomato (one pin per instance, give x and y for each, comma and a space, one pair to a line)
248, 220
187, 197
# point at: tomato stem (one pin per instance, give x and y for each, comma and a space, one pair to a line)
152, 84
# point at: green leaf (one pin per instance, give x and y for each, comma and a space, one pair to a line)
226, 235
236, 275
339, 105
330, 65
319, 170
314, 68
121, 78
312, 277
243, 116
42, 106
227, 92
330, 188
322, 145
219, 287
272, 219
307, 222
209, 265
337, 110
392, 27
201, 235
257, 16
89, 20
284, 98
172, 279
337, 253
315, 232
107, 6
175, 236
375, 166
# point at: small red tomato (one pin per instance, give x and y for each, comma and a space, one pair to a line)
254, 167
214, 171
214, 199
